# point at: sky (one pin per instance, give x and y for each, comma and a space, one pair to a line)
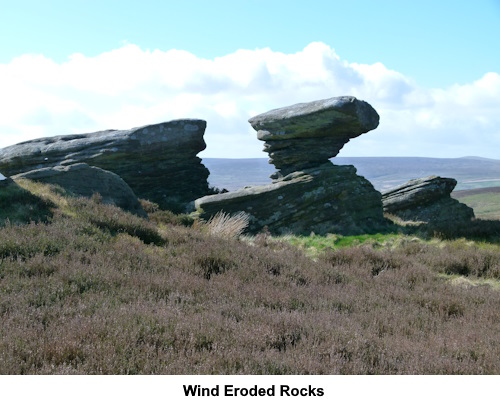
431, 69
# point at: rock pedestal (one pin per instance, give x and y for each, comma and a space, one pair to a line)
426, 200
158, 162
309, 193
324, 199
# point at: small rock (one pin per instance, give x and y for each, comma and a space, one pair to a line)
426, 200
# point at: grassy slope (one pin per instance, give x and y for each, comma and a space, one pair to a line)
484, 201
96, 290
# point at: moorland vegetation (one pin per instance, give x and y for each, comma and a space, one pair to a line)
86, 288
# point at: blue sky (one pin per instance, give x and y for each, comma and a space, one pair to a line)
430, 68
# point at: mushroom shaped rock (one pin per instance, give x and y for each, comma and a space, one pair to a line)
306, 135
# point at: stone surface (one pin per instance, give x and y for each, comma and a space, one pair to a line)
306, 135
426, 200
158, 162
84, 180
325, 199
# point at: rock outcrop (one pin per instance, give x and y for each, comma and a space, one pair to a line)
158, 162
325, 199
84, 180
307, 135
308, 193
426, 200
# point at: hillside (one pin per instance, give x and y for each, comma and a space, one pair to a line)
91, 289
484, 201
383, 172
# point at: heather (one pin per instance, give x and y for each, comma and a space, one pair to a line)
87, 288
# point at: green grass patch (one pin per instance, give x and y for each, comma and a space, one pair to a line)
317, 243
19, 206
485, 205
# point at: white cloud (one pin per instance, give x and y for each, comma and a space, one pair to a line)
129, 87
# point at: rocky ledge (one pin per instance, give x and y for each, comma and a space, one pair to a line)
426, 200
158, 162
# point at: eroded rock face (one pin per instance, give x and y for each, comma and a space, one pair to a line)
158, 162
426, 200
306, 135
325, 199
309, 193
84, 180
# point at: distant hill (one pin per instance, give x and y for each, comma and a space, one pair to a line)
384, 172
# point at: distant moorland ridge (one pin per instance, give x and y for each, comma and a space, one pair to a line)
383, 172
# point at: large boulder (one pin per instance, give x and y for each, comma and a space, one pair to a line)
308, 134
426, 200
158, 162
84, 180
325, 199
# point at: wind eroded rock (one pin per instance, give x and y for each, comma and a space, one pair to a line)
325, 199
158, 162
426, 200
308, 134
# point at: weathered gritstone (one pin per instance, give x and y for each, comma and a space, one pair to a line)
158, 162
306, 135
84, 180
309, 193
325, 199
426, 200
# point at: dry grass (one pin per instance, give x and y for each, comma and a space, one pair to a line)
224, 225
103, 292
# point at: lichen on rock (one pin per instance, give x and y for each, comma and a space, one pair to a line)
308, 134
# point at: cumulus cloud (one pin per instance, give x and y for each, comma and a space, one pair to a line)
130, 86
